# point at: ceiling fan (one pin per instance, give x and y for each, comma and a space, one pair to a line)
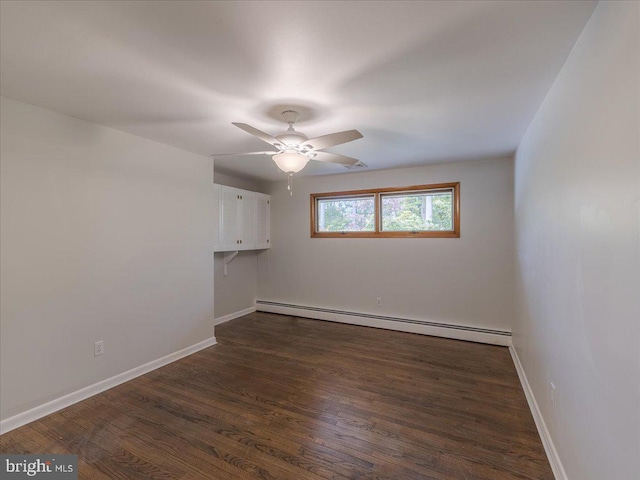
293, 149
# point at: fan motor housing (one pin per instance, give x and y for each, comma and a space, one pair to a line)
292, 138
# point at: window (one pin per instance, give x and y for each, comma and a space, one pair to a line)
417, 211
346, 214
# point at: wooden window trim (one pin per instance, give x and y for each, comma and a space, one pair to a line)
455, 233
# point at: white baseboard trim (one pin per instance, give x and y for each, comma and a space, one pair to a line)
547, 442
457, 332
48, 408
231, 316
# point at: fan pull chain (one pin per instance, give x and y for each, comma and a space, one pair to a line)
290, 184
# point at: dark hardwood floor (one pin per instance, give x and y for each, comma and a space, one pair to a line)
288, 398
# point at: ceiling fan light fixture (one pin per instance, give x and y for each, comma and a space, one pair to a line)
290, 161
294, 149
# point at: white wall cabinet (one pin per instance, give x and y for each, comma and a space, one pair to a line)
242, 221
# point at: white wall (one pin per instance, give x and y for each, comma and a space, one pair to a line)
464, 281
236, 182
104, 236
236, 291
578, 262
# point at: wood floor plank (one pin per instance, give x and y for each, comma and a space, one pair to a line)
285, 398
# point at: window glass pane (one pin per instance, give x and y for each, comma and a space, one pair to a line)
419, 211
346, 214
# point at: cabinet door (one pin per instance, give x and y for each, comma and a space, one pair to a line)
216, 217
229, 224
248, 220
263, 221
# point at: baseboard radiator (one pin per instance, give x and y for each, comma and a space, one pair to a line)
458, 332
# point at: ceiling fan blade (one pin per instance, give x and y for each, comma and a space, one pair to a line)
220, 155
265, 137
334, 158
326, 141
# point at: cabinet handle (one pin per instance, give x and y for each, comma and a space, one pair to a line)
267, 241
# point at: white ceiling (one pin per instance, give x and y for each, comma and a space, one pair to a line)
423, 81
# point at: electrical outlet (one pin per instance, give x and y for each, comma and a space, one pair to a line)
553, 394
379, 301
98, 348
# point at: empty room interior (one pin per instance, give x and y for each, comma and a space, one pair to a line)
320, 240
